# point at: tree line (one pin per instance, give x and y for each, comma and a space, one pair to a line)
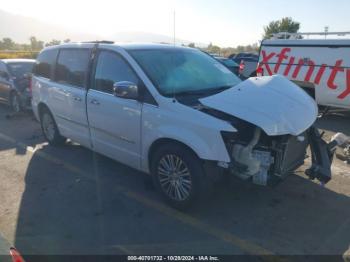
34, 44
226, 51
286, 24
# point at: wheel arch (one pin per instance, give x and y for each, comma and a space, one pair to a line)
163, 141
41, 107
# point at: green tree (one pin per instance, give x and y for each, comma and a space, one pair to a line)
213, 49
7, 44
53, 42
66, 40
286, 24
191, 45
36, 44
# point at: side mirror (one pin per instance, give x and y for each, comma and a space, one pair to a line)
126, 89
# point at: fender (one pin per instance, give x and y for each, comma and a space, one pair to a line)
215, 151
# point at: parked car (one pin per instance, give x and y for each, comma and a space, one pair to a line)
248, 63
319, 66
15, 80
229, 63
177, 114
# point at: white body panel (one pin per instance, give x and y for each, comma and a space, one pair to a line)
321, 64
70, 112
115, 127
275, 104
67, 104
193, 128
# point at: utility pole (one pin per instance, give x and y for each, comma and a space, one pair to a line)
326, 28
174, 28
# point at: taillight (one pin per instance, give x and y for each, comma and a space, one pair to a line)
259, 71
241, 67
15, 255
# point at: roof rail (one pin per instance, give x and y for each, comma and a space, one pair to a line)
99, 42
299, 35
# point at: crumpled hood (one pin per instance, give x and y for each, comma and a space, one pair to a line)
273, 103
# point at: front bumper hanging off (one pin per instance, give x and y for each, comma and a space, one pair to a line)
285, 157
321, 156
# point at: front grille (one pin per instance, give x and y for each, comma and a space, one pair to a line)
290, 154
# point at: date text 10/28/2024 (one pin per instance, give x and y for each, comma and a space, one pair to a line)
173, 258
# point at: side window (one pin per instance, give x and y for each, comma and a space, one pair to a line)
112, 68
45, 62
72, 66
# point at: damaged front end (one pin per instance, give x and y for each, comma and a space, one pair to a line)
268, 159
274, 120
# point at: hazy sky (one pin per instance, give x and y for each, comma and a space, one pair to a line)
222, 22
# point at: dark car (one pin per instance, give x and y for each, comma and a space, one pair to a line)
229, 63
15, 77
248, 63
244, 56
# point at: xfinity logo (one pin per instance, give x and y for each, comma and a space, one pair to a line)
283, 58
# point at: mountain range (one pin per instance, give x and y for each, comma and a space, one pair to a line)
20, 28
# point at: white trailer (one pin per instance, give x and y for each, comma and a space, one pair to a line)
320, 66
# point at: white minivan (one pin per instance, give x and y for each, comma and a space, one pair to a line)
177, 114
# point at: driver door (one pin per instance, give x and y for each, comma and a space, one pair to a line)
115, 123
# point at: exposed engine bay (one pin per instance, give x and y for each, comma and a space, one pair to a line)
266, 160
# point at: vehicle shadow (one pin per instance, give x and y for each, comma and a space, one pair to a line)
21, 126
79, 206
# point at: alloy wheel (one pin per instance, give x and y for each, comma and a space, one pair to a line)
174, 177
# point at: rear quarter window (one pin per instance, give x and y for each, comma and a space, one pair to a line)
72, 66
45, 63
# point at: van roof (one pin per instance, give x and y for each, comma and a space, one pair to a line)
127, 46
306, 42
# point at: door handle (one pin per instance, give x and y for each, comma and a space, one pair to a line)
77, 98
95, 102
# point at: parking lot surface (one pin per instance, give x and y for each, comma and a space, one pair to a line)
69, 200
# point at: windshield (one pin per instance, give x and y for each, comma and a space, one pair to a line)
20, 69
175, 71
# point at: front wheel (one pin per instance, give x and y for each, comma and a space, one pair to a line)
178, 175
50, 130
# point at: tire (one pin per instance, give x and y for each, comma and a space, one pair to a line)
182, 188
15, 102
50, 130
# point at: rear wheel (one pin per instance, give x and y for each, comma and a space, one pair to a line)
50, 130
15, 103
178, 175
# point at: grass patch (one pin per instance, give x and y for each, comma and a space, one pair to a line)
18, 54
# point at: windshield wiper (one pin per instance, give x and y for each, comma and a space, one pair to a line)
221, 88
191, 92
203, 91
